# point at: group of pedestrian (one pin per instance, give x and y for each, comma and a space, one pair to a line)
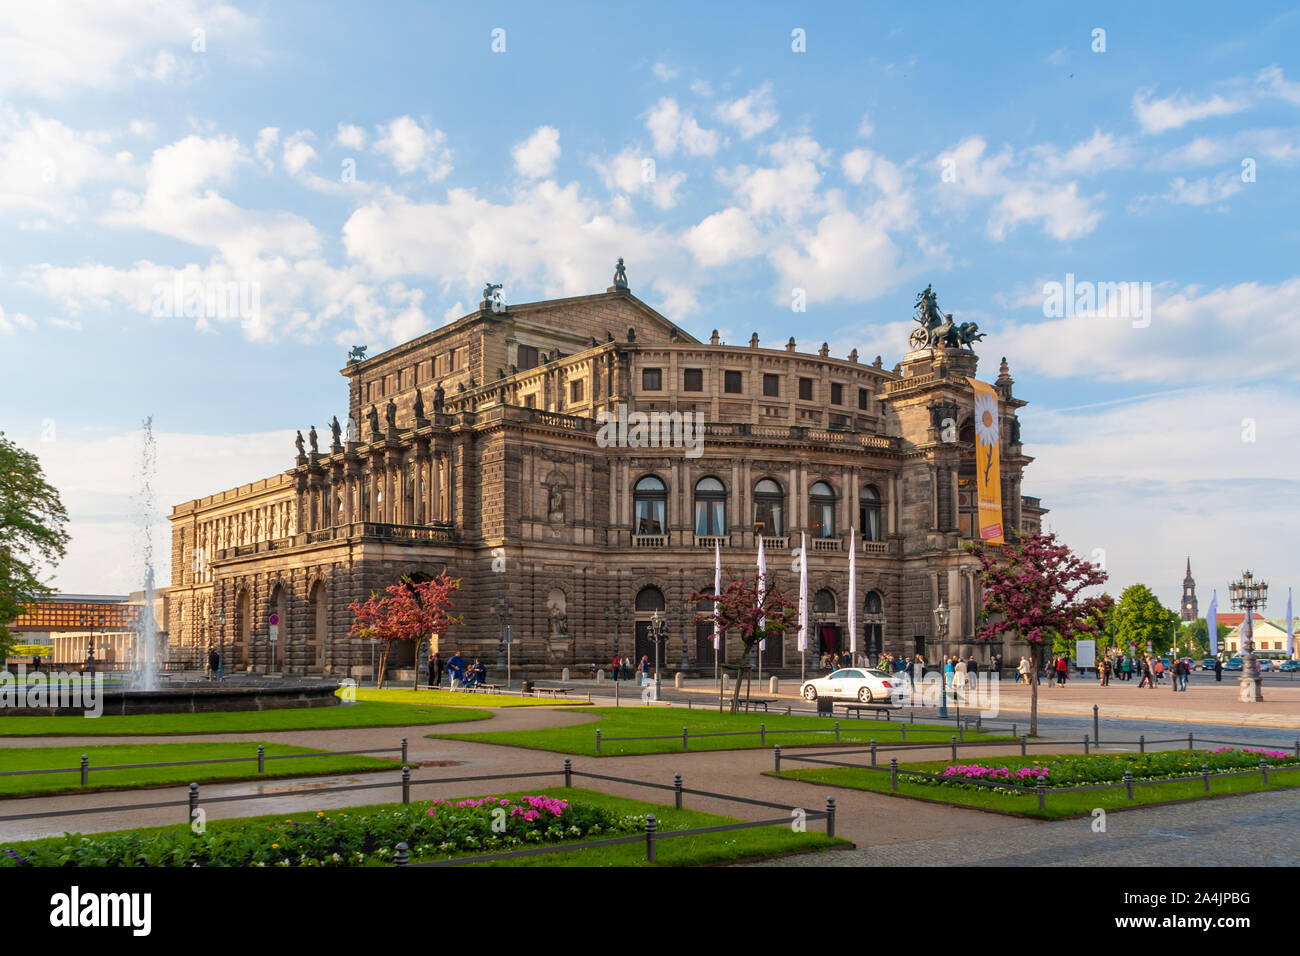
461, 675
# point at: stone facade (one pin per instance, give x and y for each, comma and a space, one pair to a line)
508, 481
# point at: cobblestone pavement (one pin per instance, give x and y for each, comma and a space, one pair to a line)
1249, 830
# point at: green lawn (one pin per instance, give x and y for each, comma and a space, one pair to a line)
361, 714
759, 842
1059, 804
44, 758
634, 721
446, 698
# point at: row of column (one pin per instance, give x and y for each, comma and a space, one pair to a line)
411, 486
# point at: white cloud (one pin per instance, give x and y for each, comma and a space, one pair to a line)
1064, 214
1276, 84
722, 238
1172, 112
663, 72
787, 189
535, 157
635, 175
1198, 192
267, 139
856, 164
298, 151
844, 256
413, 147
1102, 151
866, 128
351, 137
1194, 335
752, 114
56, 47
672, 128
1280, 146
12, 322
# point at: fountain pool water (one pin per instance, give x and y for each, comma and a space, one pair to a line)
146, 653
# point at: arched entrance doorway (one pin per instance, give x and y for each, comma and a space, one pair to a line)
705, 655
317, 627
243, 628
828, 631
280, 655
648, 600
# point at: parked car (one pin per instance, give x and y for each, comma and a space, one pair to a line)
856, 683
1264, 664
1234, 664
1207, 664
1290, 665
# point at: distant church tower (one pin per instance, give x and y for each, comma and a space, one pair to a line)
1189, 594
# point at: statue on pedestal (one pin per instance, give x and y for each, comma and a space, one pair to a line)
311, 437
419, 406
438, 399
335, 430
297, 443
390, 414
373, 416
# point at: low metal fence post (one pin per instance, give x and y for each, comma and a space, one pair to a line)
1142, 743
873, 751
597, 742
762, 735
893, 774
1263, 770
1128, 783
261, 758
568, 772
776, 758
402, 856
194, 803
85, 770
954, 749
904, 729
1086, 751
1024, 745
1190, 744
677, 790
1042, 794
1205, 776
1013, 730
404, 760
685, 738
830, 817
1096, 725
651, 826
406, 784
837, 731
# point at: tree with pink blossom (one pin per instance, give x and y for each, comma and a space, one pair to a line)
1034, 589
741, 611
408, 611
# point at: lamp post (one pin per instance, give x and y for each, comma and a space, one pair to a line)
1248, 594
503, 610
614, 614
657, 628
941, 624
90, 621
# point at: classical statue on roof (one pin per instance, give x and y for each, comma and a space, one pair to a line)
937, 329
358, 353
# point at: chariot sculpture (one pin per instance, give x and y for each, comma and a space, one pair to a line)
937, 329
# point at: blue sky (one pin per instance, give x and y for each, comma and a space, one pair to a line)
365, 168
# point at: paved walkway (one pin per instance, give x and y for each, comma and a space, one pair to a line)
1257, 829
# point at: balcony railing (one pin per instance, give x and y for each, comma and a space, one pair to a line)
826, 544
780, 543
649, 540
875, 547
710, 540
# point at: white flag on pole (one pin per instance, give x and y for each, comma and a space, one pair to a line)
803, 592
853, 596
762, 591
717, 589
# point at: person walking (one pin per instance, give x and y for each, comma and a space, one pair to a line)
1158, 669
1146, 673
1062, 671
972, 670
1218, 669
960, 675
644, 668
627, 668
1128, 667
435, 671
456, 671
949, 673
1105, 671
1022, 671
214, 665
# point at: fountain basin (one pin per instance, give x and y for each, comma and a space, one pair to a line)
200, 698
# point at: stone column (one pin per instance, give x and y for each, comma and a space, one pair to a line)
956, 509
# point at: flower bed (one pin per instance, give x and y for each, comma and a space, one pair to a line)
1077, 770
432, 829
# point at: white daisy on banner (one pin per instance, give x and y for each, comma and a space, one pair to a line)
986, 418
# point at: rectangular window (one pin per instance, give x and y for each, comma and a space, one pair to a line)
652, 379
458, 358
805, 390
527, 358
693, 380
837, 393
864, 400
530, 401
575, 391
772, 385
732, 382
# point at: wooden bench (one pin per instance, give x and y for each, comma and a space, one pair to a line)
485, 688
877, 709
750, 702
553, 691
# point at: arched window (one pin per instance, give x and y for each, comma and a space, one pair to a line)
710, 507
650, 599
769, 508
824, 602
650, 498
822, 509
869, 513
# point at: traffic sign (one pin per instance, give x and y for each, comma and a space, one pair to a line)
275, 619
275, 633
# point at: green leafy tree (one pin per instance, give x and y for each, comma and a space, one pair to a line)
1141, 620
31, 534
1195, 637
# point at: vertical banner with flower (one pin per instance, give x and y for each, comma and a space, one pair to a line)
987, 462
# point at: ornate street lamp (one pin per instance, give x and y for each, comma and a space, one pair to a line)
941, 624
1248, 594
658, 627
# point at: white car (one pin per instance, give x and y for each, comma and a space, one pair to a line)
856, 683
